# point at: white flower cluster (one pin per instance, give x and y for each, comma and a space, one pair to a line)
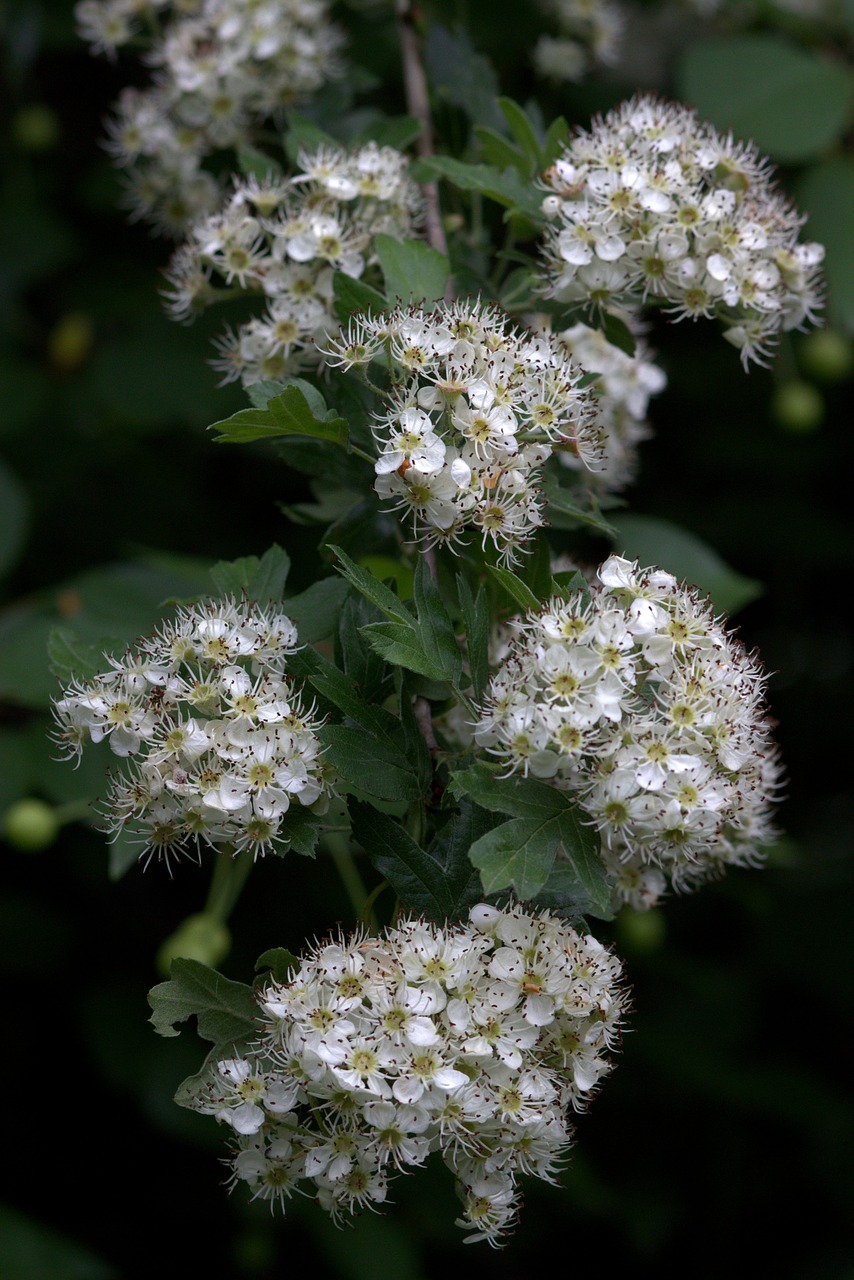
284, 238
654, 203
222, 67
638, 701
622, 391
589, 35
473, 1040
220, 743
476, 408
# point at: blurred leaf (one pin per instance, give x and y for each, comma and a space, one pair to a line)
657, 542
461, 75
791, 102
315, 611
71, 658
31, 1250
257, 164
13, 518
523, 131
826, 193
304, 135
25, 677
413, 271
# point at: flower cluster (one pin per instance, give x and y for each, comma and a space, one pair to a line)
476, 408
473, 1040
221, 68
220, 743
636, 699
284, 239
654, 203
622, 391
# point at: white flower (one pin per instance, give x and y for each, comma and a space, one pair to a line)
440, 1044
675, 210
642, 705
217, 742
476, 408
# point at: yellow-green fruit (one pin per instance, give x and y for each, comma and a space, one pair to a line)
31, 825
199, 937
798, 407
827, 355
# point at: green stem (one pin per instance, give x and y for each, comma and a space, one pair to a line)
229, 876
345, 864
367, 912
74, 811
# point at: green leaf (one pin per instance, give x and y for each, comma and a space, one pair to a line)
557, 139
417, 750
262, 580
287, 414
426, 643
462, 76
519, 853
475, 611
564, 512
279, 962
315, 611
507, 187
371, 765
355, 297
338, 689
514, 587
257, 164
390, 131
424, 882
658, 542
523, 131
520, 797
413, 270
793, 103
360, 662
499, 152
826, 192
303, 134
564, 890
371, 587
226, 1011
547, 826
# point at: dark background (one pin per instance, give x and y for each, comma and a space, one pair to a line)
725, 1132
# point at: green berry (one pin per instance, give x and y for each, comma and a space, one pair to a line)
641, 931
31, 825
827, 356
199, 937
798, 407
